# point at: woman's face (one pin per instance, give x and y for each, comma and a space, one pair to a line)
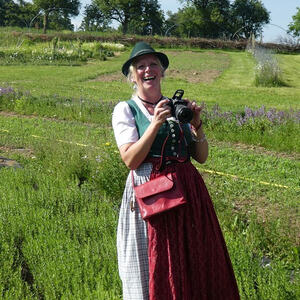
148, 73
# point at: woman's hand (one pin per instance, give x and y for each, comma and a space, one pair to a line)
196, 109
199, 149
162, 111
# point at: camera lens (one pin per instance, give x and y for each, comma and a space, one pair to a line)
183, 114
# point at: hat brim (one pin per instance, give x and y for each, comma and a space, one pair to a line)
161, 56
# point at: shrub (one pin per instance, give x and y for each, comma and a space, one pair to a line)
267, 72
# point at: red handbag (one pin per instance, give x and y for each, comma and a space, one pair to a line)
158, 195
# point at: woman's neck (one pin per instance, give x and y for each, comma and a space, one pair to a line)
150, 103
150, 98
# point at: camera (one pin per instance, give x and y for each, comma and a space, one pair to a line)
179, 109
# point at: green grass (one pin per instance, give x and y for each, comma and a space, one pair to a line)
60, 226
59, 211
78, 81
290, 66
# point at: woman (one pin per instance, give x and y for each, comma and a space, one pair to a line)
179, 254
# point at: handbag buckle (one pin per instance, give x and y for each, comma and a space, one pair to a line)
132, 206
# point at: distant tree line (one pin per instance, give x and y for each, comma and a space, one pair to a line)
197, 18
46, 14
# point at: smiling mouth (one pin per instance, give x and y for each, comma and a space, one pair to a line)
149, 78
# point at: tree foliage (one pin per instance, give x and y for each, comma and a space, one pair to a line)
94, 19
152, 17
197, 18
60, 9
134, 16
119, 10
16, 14
205, 18
294, 27
220, 18
248, 17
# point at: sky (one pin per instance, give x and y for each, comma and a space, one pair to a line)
281, 13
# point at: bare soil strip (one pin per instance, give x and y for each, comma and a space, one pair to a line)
191, 76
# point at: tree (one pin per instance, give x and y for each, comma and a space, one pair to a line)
94, 19
248, 17
67, 8
2, 12
6, 11
209, 18
122, 11
152, 17
137, 16
171, 24
60, 20
294, 27
190, 22
16, 14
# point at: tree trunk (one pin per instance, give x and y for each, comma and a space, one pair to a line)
45, 22
124, 28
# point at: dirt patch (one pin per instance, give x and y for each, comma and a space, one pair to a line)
13, 114
193, 76
176, 53
22, 151
6, 162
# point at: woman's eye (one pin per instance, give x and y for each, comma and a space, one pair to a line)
141, 67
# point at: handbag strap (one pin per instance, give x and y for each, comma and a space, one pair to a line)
132, 201
162, 153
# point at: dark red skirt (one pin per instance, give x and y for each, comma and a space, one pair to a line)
188, 258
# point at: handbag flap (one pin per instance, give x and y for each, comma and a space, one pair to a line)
154, 186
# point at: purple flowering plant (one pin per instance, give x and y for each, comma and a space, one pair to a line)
7, 91
270, 128
250, 116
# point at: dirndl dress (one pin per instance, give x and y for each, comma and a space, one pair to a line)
177, 255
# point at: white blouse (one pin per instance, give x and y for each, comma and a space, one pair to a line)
124, 124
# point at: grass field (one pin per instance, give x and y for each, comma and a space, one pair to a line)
59, 209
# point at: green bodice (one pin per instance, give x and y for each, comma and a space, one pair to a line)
179, 135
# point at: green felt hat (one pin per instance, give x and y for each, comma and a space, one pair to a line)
142, 48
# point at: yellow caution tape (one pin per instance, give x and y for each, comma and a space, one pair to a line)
67, 142
203, 170
245, 178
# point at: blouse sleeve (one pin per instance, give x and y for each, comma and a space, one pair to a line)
123, 124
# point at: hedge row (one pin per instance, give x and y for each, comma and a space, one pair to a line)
167, 42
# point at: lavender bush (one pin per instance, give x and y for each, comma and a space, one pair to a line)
7, 91
269, 128
250, 116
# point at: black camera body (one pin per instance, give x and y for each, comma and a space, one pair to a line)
179, 109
